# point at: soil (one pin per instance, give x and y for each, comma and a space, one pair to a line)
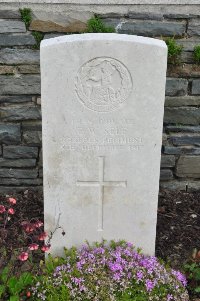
178, 225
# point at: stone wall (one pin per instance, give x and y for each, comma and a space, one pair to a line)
20, 112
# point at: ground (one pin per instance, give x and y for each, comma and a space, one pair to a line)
178, 224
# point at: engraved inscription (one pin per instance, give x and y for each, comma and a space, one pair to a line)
103, 84
101, 183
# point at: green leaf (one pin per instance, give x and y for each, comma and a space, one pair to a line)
14, 298
4, 274
197, 289
26, 279
2, 289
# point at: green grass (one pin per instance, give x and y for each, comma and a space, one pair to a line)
95, 24
197, 54
174, 51
26, 16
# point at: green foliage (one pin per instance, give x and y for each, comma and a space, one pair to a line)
38, 38
95, 24
192, 269
26, 16
197, 54
89, 274
13, 286
174, 51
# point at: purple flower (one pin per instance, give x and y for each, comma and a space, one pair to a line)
149, 285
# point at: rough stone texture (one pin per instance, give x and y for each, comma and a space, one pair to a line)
188, 166
176, 87
183, 139
20, 112
188, 43
17, 40
32, 137
174, 185
194, 28
171, 150
10, 14
15, 99
10, 133
152, 28
19, 56
182, 128
184, 70
24, 84
196, 87
166, 174
182, 101
187, 57
17, 163
18, 173
49, 26
52, 35
167, 161
16, 152
28, 69
178, 16
145, 16
9, 26
182, 115
73, 155
7, 69
19, 182
32, 125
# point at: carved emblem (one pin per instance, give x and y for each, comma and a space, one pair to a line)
103, 84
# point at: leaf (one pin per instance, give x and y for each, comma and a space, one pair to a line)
2, 289
197, 289
26, 279
4, 274
14, 298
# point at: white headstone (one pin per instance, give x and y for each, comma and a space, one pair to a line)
102, 105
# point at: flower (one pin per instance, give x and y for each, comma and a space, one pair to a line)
28, 227
38, 224
28, 294
2, 209
33, 247
12, 201
42, 236
45, 248
23, 256
11, 211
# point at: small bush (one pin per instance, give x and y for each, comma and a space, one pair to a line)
96, 25
38, 38
197, 54
114, 272
192, 269
26, 16
174, 51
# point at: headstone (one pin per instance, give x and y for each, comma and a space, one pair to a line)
102, 105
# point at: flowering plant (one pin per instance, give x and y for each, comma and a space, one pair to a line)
16, 260
114, 272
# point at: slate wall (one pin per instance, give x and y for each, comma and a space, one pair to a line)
20, 102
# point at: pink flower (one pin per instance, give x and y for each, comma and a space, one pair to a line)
11, 211
42, 236
45, 248
33, 247
2, 209
23, 256
28, 227
38, 224
12, 201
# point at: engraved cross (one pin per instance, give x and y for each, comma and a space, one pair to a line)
101, 184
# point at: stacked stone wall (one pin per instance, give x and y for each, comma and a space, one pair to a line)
20, 101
